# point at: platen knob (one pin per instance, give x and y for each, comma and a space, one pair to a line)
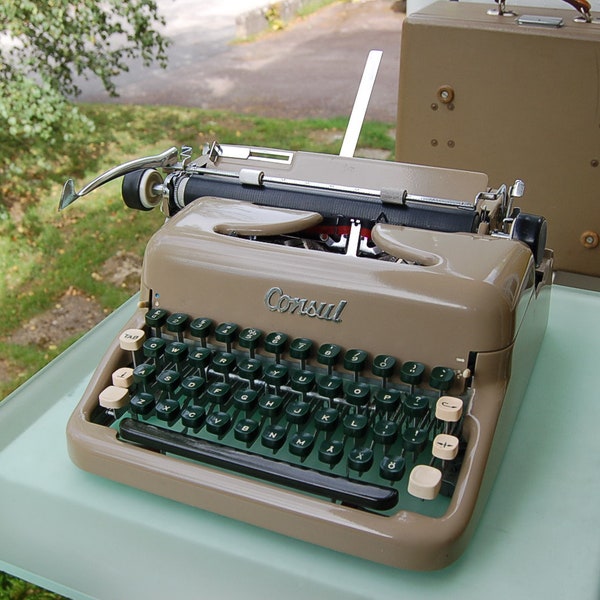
142, 189
533, 231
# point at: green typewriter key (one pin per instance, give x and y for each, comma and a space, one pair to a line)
273, 437
356, 425
275, 343
392, 468
360, 459
357, 394
193, 416
168, 380
192, 386
270, 405
331, 452
225, 333
154, 348
246, 430
245, 399
224, 363
441, 378
144, 375
218, 423
328, 355
276, 375
200, 328
142, 404
330, 386
301, 349
249, 369
218, 393
155, 318
250, 338
387, 399
355, 360
297, 412
414, 439
383, 366
200, 358
176, 352
412, 373
326, 419
177, 323
167, 409
385, 432
302, 381
301, 444
415, 406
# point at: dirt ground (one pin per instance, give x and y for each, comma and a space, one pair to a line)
74, 313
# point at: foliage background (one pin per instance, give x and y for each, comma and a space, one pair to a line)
46, 48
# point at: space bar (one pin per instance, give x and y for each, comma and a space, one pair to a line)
363, 495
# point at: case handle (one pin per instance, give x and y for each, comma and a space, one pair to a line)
581, 6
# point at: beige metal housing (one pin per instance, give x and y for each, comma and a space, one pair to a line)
486, 93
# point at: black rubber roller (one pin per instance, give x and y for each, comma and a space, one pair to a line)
139, 189
331, 204
533, 231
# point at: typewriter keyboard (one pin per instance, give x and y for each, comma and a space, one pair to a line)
356, 428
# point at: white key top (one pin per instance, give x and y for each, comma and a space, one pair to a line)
425, 482
449, 409
132, 339
445, 446
114, 397
123, 377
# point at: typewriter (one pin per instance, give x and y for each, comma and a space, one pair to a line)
329, 347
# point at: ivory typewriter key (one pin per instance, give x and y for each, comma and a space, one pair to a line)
449, 409
445, 447
123, 377
114, 397
132, 340
424, 482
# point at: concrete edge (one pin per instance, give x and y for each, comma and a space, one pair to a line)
274, 15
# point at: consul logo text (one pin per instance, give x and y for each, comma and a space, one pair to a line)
277, 301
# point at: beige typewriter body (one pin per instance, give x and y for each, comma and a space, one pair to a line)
471, 302
512, 96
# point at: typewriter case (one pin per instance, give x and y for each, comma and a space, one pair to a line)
484, 92
490, 303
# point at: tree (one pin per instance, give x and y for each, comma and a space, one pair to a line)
45, 47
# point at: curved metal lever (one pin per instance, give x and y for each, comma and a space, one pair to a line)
583, 7
167, 159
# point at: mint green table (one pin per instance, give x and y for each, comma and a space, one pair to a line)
86, 537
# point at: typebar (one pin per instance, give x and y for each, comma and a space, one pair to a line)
356, 493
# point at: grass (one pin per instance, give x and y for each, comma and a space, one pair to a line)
44, 253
